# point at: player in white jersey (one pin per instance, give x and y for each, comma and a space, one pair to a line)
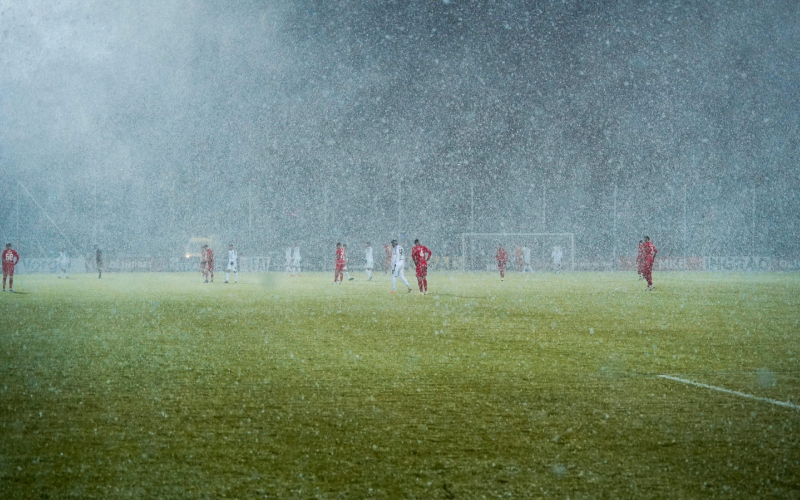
63, 264
288, 265
526, 260
346, 260
233, 265
557, 255
296, 259
398, 262
368, 266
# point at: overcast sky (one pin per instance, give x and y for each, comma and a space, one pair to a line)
142, 123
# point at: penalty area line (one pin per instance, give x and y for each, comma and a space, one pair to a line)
735, 393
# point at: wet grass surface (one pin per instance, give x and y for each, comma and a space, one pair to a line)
157, 385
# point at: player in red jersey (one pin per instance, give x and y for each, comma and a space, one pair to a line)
420, 255
207, 263
10, 257
640, 260
502, 258
387, 262
649, 252
210, 263
338, 272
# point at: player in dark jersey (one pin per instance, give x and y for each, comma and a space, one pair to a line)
98, 260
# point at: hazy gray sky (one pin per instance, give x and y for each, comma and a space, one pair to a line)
142, 123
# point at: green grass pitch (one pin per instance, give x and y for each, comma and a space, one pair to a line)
157, 385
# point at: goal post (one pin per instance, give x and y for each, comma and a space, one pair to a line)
478, 250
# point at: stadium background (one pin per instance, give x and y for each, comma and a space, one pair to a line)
267, 124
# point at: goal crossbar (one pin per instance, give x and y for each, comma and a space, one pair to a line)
464, 237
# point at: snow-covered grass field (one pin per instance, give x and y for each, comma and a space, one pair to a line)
157, 385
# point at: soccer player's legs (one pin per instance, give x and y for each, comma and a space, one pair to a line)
231, 268
648, 275
8, 271
402, 275
422, 271
338, 273
502, 268
398, 273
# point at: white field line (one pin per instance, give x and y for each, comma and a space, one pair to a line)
735, 393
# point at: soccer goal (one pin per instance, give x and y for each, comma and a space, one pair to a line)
478, 251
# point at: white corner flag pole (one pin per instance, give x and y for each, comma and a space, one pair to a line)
77, 252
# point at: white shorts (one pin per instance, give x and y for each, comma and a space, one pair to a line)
232, 266
296, 262
369, 265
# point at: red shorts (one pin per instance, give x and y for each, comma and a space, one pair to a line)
422, 270
8, 270
340, 266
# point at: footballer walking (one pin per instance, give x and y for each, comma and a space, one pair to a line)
526, 259
338, 270
207, 263
233, 265
558, 254
421, 255
296, 260
368, 265
98, 260
502, 257
10, 257
288, 264
387, 261
649, 256
63, 264
640, 260
398, 261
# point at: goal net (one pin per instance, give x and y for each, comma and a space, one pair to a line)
546, 251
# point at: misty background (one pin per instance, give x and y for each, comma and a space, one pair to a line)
136, 125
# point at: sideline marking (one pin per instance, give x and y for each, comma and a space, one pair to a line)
736, 393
